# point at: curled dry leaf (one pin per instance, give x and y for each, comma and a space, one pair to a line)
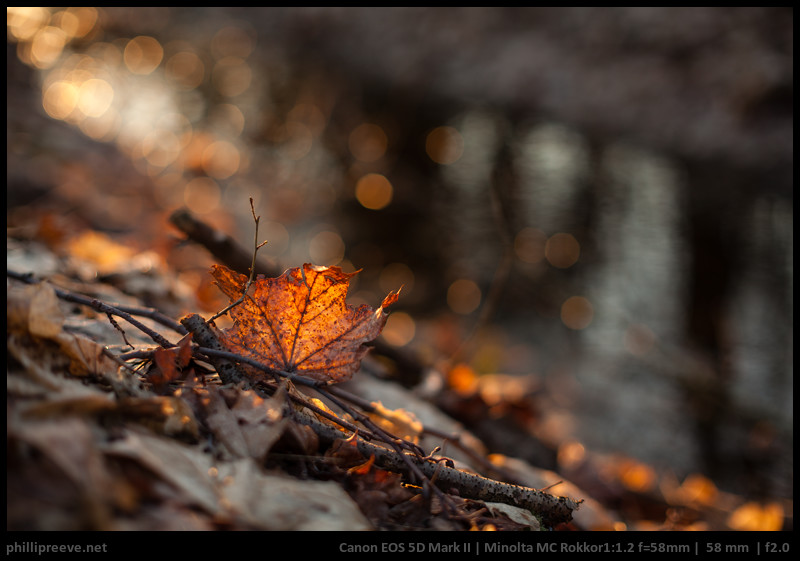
171, 362
400, 422
300, 323
249, 425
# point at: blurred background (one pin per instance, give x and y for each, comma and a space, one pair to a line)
593, 204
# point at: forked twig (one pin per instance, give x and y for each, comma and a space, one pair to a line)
387, 450
251, 278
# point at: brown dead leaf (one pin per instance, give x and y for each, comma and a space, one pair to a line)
70, 445
300, 323
45, 318
184, 467
165, 415
399, 422
278, 503
375, 490
345, 451
249, 425
171, 362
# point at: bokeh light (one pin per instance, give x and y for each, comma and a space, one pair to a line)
298, 140
577, 312
231, 76
226, 119
753, 516
444, 145
562, 250
185, 69
76, 22
221, 159
23, 22
60, 99
143, 54
236, 40
400, 329
529, 244
571, 454
395, 275
46, 46
95, 97
637, 476
202, 195
463, 296
326, 248
374, 191
368, 142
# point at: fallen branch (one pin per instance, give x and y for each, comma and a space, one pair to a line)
110, 310
224, 248
389, 455
553, 510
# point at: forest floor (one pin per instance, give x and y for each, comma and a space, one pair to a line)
116, 423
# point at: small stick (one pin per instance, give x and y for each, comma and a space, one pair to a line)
250, 279
96, 304
223, 247
553, 510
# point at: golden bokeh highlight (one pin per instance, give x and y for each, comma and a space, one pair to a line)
310, 115
232, 41
161, 147
23, 23
60, 99
326, 248
368, 142
298, 140
562, 250
226, 119
231, 76
94, 97
46, 47
103, 128
637, 476
444, 145
462, 379
529, 244
185, 69
395, 275
374, 191
76, 22
463, 296
143, 54
400, 329
755, 517
577, 313
202, 195
42, 37
221, 159
697, 489
571, 454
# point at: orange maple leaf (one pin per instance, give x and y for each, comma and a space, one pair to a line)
299, 322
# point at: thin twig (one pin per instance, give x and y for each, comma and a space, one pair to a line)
256, 247
223, 247
413, 464
153, 314
96, 304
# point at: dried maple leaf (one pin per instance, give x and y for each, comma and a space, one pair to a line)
171, 362
299, 322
